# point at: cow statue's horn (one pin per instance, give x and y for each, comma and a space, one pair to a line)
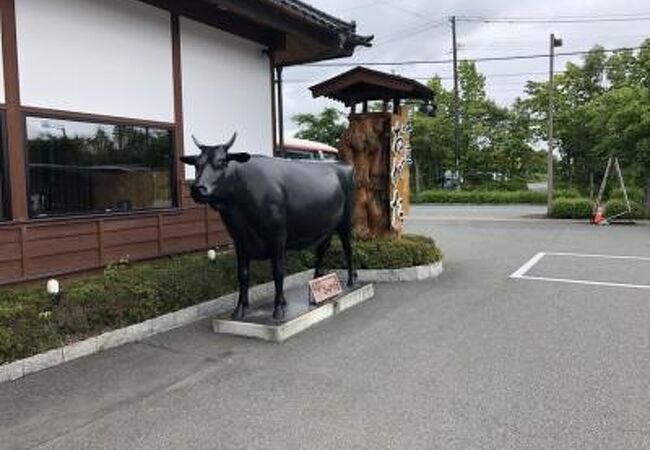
196, 141
231, 141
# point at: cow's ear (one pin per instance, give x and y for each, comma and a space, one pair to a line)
191, 160
239, 157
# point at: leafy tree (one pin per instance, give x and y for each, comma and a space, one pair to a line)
601, 110
326, 127
495, 140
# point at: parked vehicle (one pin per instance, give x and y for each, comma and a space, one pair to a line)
295, 148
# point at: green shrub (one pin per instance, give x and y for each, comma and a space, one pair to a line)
129, 293
572, 208
617, 207
515, 184
567, 193
411, 250
480, 196
634, 194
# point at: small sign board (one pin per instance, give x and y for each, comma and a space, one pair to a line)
325, 288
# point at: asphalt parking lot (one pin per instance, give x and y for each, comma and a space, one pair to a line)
557, 357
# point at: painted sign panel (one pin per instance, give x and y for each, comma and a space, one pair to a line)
325, 288
400, 159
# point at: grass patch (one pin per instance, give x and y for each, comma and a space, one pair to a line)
481, 196
129, 293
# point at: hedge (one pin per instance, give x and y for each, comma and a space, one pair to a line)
129, 293
572, 208
411, 250
567, 193
616, 207
634, 194
479, 196
509, 185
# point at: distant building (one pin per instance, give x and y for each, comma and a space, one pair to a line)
99, 99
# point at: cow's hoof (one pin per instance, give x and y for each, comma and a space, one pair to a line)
238, 314
278, 313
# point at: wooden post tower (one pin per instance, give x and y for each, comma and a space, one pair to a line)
377, 143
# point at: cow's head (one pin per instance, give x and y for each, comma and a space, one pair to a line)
211, 167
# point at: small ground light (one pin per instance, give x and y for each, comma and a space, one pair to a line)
212, 255
53, 289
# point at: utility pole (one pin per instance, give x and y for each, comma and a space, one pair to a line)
554, 42
456, 102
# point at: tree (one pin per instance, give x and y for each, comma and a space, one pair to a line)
601, 110
326, 127
495, 140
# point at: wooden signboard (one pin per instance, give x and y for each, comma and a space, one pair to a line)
324, 288
400, 159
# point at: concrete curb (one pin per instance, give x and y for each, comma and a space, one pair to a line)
415, 273
148, 328
140, 331
283, 331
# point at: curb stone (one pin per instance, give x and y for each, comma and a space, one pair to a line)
415, 273
139, 331
133, 333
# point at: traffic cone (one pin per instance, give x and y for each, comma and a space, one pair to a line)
599, 217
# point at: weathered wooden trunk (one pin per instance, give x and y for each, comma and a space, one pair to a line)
377, 144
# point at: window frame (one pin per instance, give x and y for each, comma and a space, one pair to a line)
5, 185
70, 116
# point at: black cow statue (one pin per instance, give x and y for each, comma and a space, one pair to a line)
271, 205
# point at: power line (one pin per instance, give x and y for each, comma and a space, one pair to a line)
555, 20
427, 78
406, 33
484, 59
407, 11
574, 16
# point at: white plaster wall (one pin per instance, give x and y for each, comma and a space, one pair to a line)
109, 57
226, 88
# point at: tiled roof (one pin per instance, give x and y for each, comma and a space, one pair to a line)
315, 14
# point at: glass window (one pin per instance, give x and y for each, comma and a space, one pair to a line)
82, 167
297, 154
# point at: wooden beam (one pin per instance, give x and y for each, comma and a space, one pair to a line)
209, 14
15, 121
179, 124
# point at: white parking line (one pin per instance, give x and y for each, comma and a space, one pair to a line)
585, 255
521, 272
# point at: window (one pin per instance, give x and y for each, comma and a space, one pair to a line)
82, 167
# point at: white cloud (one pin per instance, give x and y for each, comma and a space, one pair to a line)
387, 19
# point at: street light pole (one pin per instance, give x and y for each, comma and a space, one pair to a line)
554, 42
456, 102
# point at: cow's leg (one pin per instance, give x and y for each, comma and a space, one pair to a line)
346, 240
321, 249
277, 265
243, 265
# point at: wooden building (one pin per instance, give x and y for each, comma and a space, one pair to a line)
98, 99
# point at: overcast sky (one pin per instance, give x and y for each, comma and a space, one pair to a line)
417, 29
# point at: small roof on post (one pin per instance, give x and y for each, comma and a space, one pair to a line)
361, 84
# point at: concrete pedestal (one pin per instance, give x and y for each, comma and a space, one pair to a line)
299, 314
